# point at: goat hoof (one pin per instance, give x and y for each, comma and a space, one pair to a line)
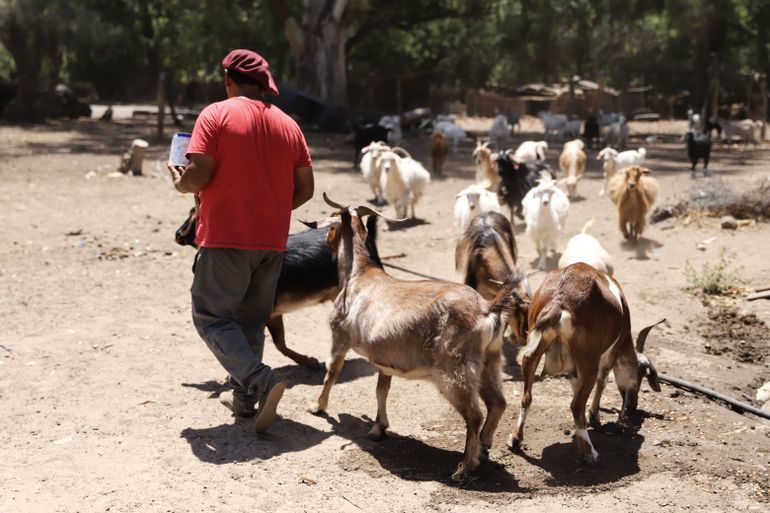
484, 454
317, 411
461, 475
594, 422
376, 434
591, 458
514, 444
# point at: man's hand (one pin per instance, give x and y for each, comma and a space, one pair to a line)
176, 174
195, 176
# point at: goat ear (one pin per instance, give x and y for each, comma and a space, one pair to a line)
645, 171
646, 366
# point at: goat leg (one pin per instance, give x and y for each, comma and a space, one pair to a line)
275, 327
465, 400
381, 422
332, 373
582, 385
593, 413
528, 368
494, 400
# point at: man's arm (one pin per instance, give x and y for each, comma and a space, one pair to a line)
197, 174
304, 185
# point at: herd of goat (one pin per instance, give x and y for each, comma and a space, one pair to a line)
452, 334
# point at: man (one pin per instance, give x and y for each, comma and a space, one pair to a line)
250, 166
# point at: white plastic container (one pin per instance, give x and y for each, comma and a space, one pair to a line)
177, 155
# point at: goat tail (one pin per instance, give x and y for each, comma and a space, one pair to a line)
642, 152
589, 224
551, 323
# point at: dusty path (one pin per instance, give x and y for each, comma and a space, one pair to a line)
110, 398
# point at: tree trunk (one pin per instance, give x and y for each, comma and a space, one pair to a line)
319, 48
22, 44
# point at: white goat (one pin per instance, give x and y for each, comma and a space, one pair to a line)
471, 202
393, 124
545, 211
499, 131
530, 150
552, 123
454, 133
614, 161
585, 248
402, 180
369, 169
572, 163
749, 131
572, 129
616, 134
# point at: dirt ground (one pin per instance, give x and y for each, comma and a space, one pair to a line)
110, 398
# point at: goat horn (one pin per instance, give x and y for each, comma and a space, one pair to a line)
399, 150
310, 224
362, 210
333, 203
642, 338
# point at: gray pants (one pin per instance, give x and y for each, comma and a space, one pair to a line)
232, 297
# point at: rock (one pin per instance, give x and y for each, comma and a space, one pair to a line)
763, 394
729, 223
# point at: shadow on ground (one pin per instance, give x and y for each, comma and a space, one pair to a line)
618, 446
415, 460
231, 443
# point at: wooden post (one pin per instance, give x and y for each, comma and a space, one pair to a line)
133, 159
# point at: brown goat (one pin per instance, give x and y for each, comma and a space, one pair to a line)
580, 320
486, 253
440, 331
633, 192
439, 149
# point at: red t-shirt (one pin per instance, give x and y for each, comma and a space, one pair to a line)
256, 147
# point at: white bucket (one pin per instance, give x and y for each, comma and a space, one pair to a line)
177, 155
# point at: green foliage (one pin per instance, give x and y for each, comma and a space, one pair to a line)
715, 279
448, 45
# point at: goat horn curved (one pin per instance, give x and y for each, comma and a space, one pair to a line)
398, 150
362, 210
333, 203
642, 338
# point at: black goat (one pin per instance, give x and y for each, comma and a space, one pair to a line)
591, 131
698, 147
308, 277
365, 135
517, 178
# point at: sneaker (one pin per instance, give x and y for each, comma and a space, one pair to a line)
240, 406
268, 404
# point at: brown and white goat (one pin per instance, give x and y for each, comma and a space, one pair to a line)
486, 168
579, 319
486, 253
439, 149
633, 193
572, 163
440, 331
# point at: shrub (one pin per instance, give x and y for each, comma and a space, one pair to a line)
715, 279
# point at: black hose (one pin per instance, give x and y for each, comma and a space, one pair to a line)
735, 405
404, 269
